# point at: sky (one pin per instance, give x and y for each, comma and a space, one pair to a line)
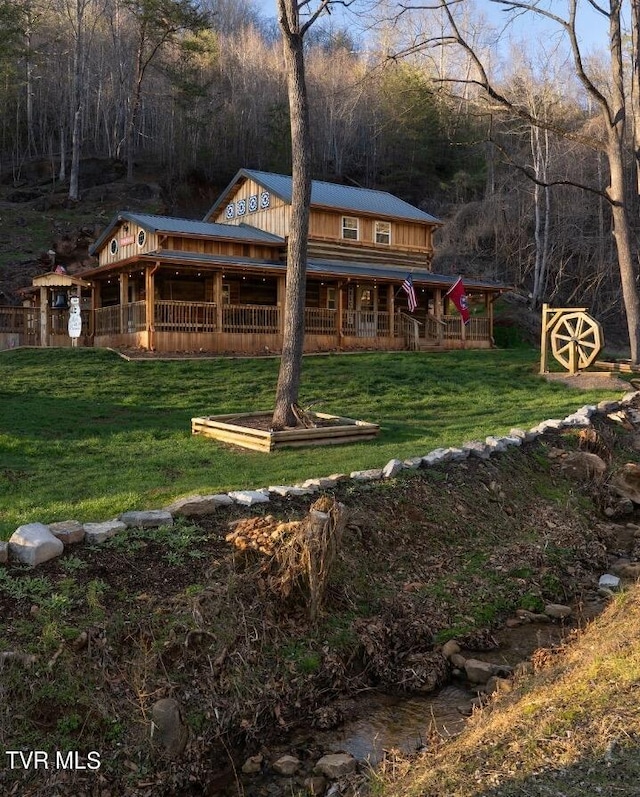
591, 26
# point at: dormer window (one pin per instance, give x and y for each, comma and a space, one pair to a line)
383, 232
350, 228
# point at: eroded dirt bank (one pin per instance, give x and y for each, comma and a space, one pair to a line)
103, 634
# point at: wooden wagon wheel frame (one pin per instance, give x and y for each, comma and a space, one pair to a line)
576, 340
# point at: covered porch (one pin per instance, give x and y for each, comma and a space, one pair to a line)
238, 308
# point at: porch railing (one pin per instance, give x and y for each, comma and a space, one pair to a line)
366, 323
186, 316
247, 318
120, 318
320, 321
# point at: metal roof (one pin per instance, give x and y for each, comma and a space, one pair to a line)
331, 268
169, 224
331, 195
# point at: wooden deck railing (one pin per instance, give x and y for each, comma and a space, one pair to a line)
186, 316
247, 318
119, 319
320, 321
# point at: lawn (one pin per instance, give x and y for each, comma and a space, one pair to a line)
85, 434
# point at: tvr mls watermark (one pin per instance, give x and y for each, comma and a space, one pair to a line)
72, 760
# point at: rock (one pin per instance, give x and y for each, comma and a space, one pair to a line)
198, 505
513, 622
557, 610
630, 571
413, 463
147, 519
478, 672
583, 465
607, 405
4, 552
579, 418
315, 785
607, 581
252, 765
495, 443
434, 457
336, 765
392, 468
288, 765
458, 660
371, 475
99, 532
476, 449
550, 424
168, 729
325, 482
67, 531
33, 544
626, 482
284, 490
497, 685
450, 648
249, 497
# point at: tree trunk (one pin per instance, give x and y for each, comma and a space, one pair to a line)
293, 342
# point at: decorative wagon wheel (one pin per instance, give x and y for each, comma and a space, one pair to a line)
576, 340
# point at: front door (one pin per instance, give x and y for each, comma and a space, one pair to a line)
366, 307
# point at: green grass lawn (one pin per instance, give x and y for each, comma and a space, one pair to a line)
86, 435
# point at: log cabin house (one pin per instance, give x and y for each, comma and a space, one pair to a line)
217, 285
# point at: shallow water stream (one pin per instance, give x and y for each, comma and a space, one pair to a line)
387, 723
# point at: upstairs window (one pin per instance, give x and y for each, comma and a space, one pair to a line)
350, 228
383, 232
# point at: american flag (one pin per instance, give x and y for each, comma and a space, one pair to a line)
407, 287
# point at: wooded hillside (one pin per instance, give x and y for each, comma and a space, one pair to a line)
194, 89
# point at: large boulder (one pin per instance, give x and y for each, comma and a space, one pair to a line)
626, 482
33, 544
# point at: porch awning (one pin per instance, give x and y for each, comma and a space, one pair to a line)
55, 280
320, 268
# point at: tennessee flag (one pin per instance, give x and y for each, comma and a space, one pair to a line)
458, 296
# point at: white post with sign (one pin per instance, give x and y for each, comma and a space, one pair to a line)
75, 320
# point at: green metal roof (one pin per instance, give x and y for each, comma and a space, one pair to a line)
331, 195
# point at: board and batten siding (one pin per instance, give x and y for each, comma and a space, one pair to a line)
274, 219
327, 225
127, 244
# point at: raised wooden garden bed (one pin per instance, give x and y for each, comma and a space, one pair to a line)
621, 366
251, 430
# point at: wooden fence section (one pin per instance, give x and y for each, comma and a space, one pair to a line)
19, 326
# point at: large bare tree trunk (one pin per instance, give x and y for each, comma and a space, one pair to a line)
293, 343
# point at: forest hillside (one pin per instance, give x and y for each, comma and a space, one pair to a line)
167, 99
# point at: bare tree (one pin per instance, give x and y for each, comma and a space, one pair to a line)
295, 17
611, 103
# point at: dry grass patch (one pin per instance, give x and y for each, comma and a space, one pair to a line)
572, 729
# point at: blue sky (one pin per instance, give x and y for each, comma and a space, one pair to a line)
591, 27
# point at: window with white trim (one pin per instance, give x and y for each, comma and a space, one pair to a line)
383, 232
350, 228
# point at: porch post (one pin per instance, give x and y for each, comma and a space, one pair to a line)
375, 310
488, 298
391, 307
150, 303
44, 316
124, 300
281, 287
340, 309
438, 313
217, 298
